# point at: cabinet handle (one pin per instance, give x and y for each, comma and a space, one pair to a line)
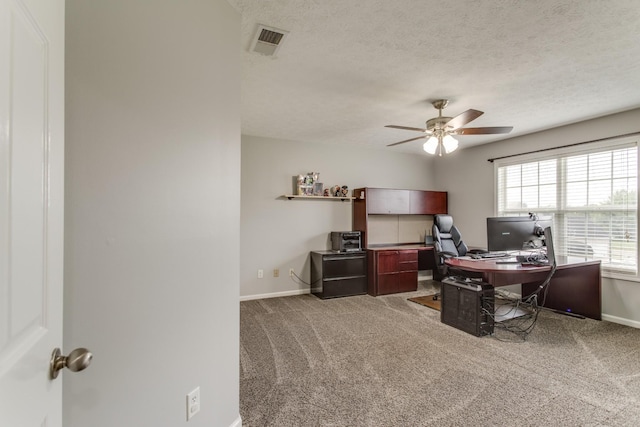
340, 258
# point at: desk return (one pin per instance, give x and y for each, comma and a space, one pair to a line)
574, 288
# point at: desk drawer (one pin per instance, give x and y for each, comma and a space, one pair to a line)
387, 262
408, 266
344, 266
408, 281
408, 256
344, 287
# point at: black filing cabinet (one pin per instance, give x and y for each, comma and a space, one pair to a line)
338, 274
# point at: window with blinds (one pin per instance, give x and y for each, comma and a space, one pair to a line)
590, 194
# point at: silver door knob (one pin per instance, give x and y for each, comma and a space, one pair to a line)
76, 361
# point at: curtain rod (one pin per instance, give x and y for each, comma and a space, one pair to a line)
564, 146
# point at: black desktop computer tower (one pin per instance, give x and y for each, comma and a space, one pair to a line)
467, 305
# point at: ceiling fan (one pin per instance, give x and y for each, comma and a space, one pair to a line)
440, 129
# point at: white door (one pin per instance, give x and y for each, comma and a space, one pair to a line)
31, 209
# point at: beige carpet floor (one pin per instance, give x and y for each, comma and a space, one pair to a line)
386, 361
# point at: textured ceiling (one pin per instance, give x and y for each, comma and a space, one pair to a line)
347, 68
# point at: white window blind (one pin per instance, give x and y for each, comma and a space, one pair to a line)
591, 195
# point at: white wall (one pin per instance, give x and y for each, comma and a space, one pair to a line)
468, 177
152, 211
277, 233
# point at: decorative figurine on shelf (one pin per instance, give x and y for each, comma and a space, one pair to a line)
309, 185
305, 184
300, 184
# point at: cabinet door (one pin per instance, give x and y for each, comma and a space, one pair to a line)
407, 281
387, 262
387, 283
387, 201
428, 202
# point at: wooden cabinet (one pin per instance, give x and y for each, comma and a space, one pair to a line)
427, 202
388, 201
336, 274
392, 271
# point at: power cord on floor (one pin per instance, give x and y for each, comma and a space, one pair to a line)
522, 326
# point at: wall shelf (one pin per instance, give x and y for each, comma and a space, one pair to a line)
293, 196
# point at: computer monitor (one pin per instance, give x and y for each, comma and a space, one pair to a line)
515, 233
548, 241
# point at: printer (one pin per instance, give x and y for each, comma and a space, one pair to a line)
346, 241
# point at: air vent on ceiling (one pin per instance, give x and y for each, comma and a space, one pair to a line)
268, 40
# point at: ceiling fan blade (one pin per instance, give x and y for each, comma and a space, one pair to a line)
406, 140
483, 131
406, 128
464, 118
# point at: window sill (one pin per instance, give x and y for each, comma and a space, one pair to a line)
618, 276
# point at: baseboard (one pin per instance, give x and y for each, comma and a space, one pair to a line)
621, 321
275, 294
237, 422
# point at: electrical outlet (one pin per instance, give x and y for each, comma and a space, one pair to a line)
193, 403
276, 272
260, 274
291, 272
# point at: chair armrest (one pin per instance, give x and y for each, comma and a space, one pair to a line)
477, 251
446, 255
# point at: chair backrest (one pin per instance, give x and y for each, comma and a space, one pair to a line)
446, 237
447, 242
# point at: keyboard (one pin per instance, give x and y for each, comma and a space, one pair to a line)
526, 260
489, 255
523, 263
533, 258
535, 263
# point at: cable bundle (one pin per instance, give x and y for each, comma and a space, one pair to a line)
522, 326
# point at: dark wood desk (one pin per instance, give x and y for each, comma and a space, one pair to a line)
574, 287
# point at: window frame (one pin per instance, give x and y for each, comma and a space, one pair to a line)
568, 151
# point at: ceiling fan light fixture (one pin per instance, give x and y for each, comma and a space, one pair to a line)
431, 146
442, 128
450, 144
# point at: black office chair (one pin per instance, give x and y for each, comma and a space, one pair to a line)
448, 243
